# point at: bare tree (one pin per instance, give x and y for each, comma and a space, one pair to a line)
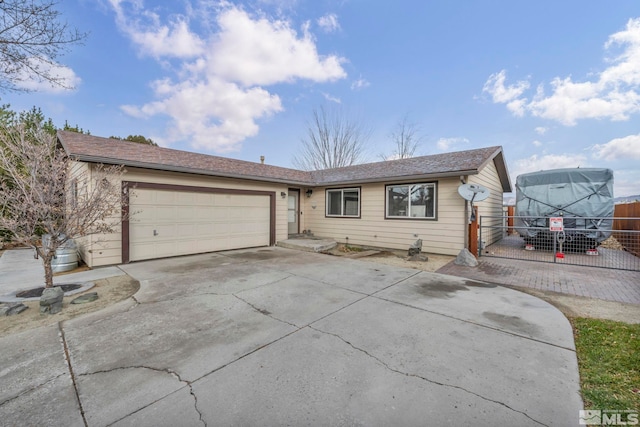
32, 36
406, 138
40, 193
333, 140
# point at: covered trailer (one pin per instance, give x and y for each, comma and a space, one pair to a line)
582, 196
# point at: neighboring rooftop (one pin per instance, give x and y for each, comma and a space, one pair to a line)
95, 149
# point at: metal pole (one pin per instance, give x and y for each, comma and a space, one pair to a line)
480, 240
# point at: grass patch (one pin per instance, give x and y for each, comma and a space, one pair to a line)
349, 249
609, 363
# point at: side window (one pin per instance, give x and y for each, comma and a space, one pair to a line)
411, 201
343, 202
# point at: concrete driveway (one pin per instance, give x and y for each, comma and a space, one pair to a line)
273, 336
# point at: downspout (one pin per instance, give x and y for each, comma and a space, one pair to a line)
463, 180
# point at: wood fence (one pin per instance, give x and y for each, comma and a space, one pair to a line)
627, 217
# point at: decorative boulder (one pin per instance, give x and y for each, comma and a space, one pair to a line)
11, 309
51, 300
88, 297
415, 248
466, 258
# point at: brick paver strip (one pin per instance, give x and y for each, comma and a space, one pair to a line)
593, 282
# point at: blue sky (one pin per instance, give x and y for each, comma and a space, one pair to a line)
556, 83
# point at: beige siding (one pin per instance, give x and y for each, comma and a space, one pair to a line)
81, 173
491, 207
107, 249
443, 236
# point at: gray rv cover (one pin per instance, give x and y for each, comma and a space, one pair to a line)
582, 192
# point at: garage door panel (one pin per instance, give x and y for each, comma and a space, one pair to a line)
186, 212
165, 213
187, 223
203, 199
166, 197
185, 198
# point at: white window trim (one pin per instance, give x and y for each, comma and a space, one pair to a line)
341, 190
435, 201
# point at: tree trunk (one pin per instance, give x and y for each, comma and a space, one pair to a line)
48, 271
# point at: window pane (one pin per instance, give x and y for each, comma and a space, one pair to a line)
422, 203
333, 202
397, 200
350, 203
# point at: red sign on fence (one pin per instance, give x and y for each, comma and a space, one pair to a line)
556, 224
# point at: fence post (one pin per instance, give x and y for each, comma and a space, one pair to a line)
510, 213
473, 234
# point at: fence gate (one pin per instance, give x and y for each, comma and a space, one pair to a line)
592, 242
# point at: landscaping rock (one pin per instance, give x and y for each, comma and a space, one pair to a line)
11, 309
88, 297
415, 248
51, 300
466, 258
418, 257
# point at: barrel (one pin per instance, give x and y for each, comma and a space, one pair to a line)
66, 258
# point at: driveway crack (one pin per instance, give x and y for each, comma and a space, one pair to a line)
171, 372
67, 359
30, 389
266, 312
438, 383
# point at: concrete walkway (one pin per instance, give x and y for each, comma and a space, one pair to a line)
593, 282
273, 336
20, 271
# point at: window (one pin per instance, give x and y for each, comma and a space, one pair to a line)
73, 193
343, 202
411, 201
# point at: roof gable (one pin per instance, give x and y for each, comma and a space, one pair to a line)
95, 149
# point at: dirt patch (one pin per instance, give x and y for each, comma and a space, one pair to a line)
396, 258
110, 291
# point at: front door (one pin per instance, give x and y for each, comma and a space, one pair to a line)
293, 209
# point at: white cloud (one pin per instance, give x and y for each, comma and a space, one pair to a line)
329, 23
65, 79
541, 130
152, 38
626, 182
217, 122
331, 98
218, 93
614, 94
170, 40
501, 93
627, 147
360, 84
536, 143
547, 161
446, 143
263, 52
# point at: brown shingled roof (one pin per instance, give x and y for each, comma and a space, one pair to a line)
94, 149
468, 162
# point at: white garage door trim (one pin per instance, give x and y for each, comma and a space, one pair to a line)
131, 185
